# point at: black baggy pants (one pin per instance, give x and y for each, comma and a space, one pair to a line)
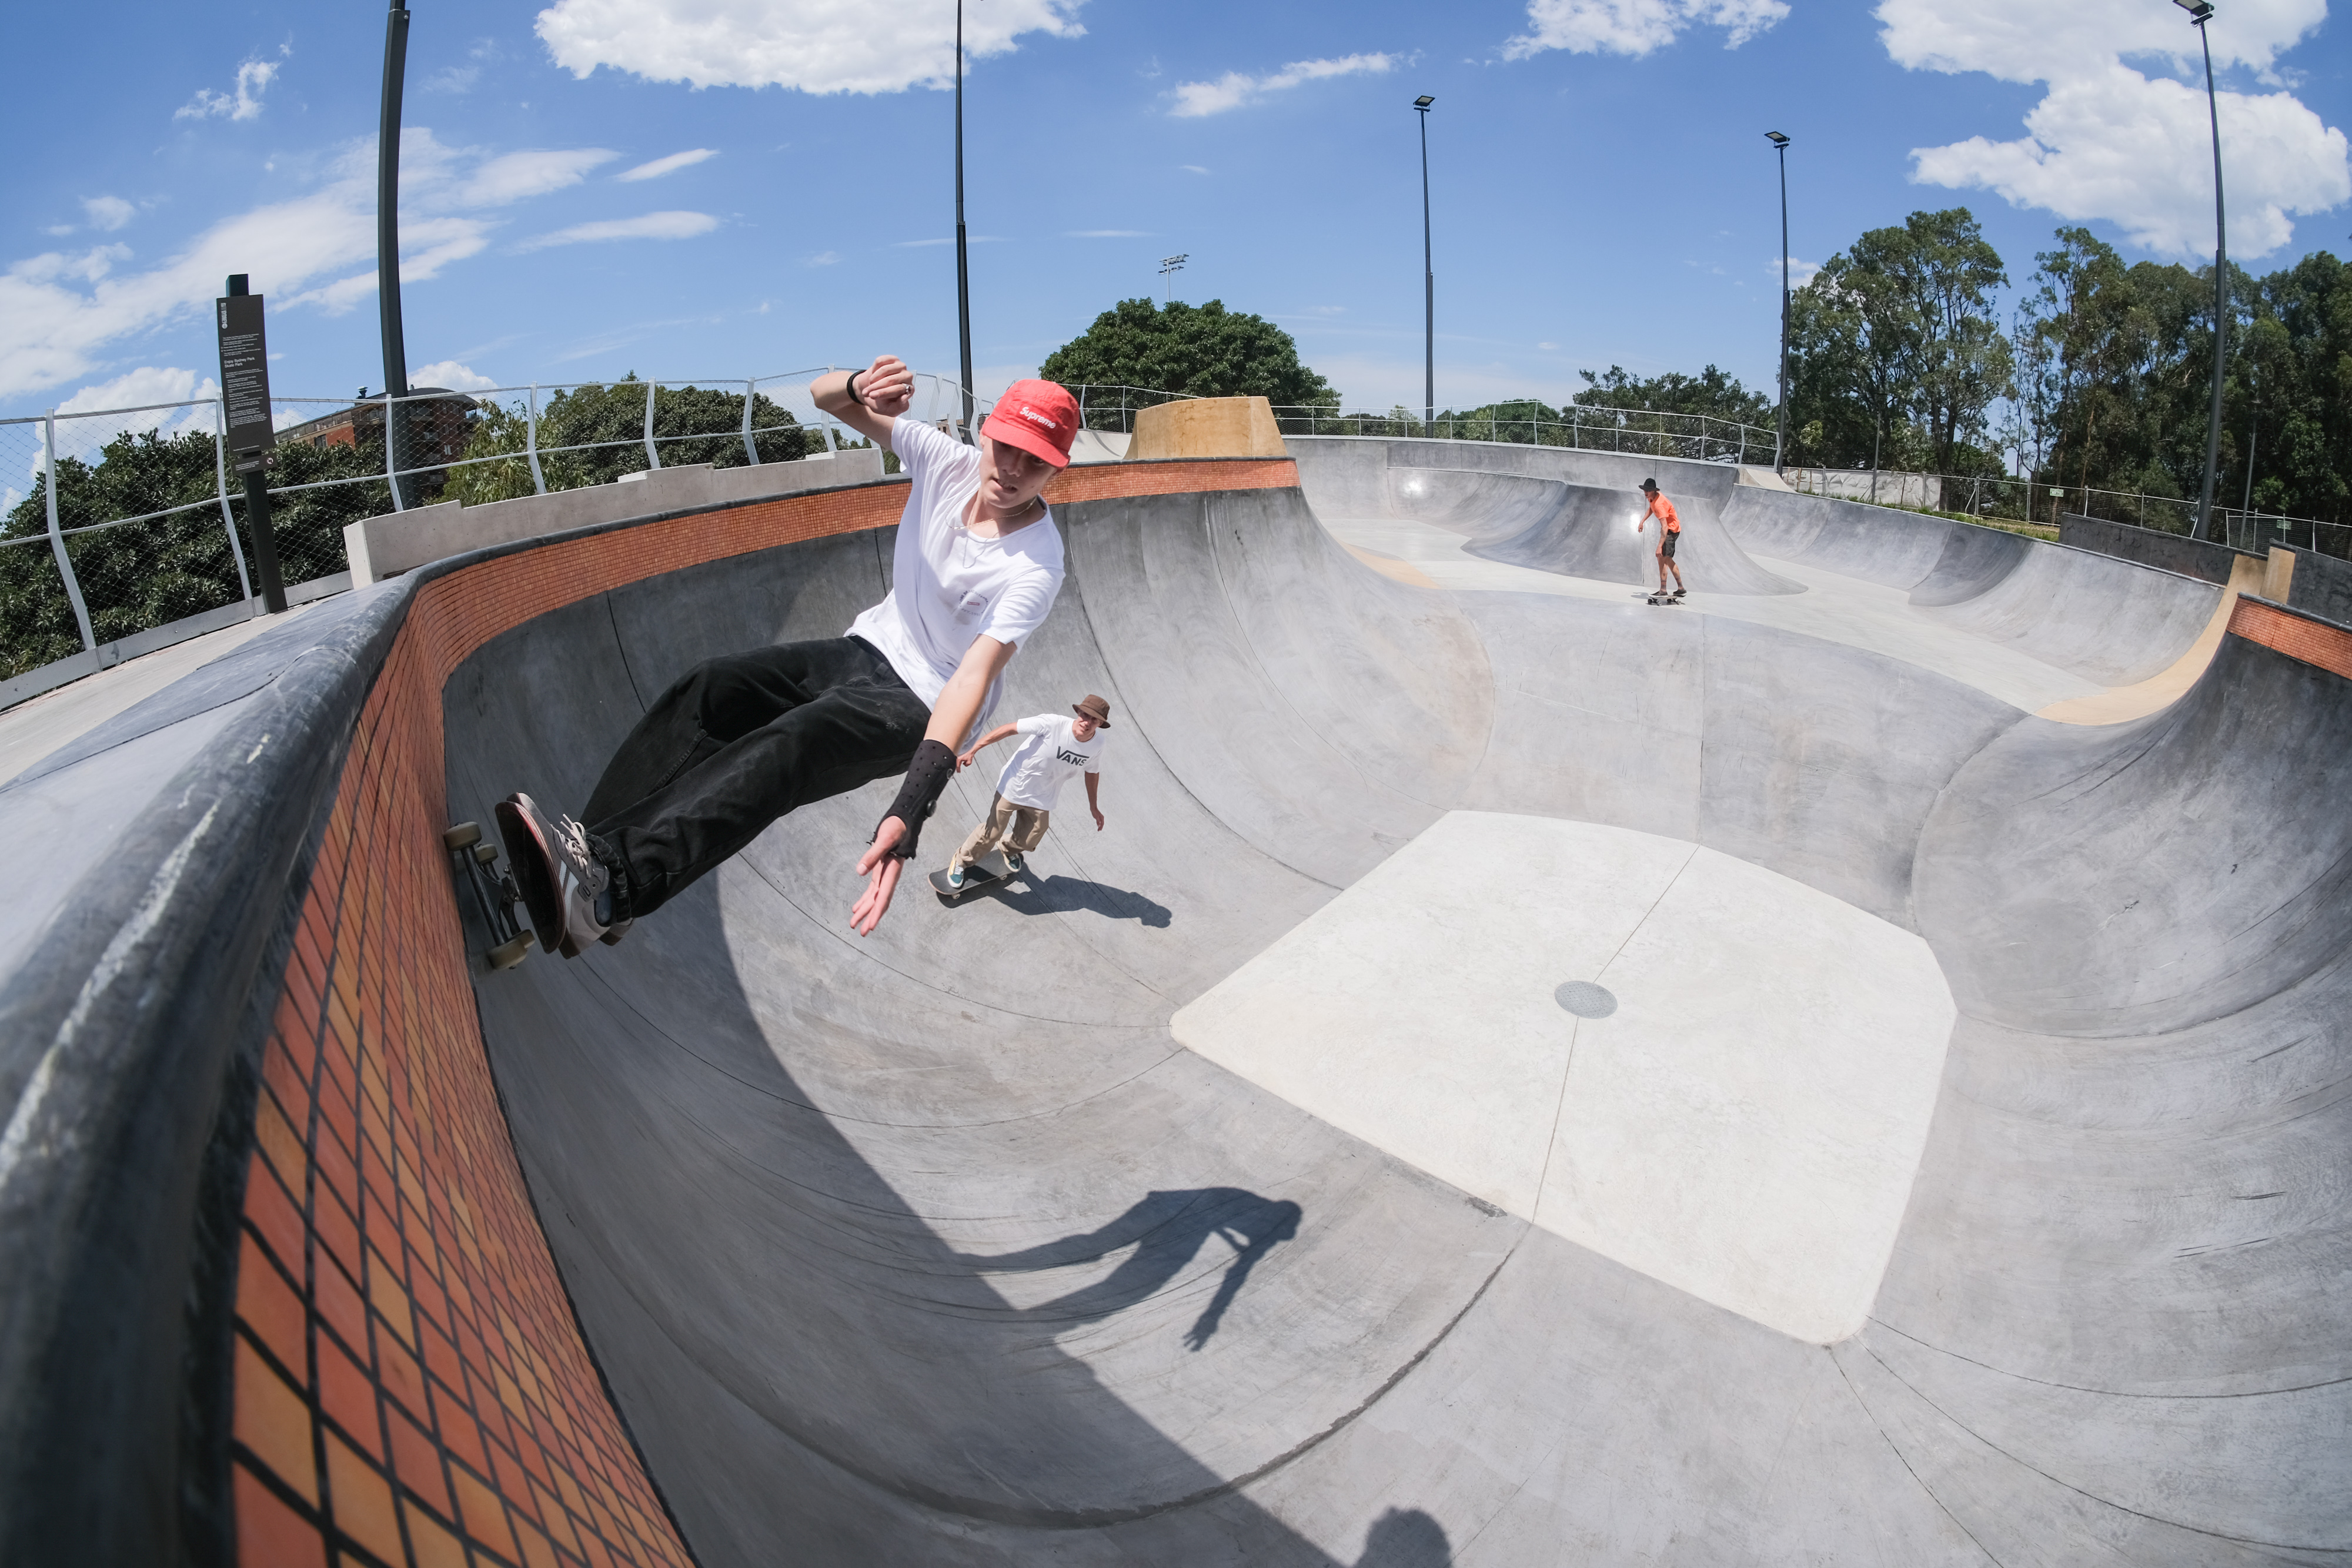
738, 742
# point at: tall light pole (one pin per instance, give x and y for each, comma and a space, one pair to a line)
2200, 13
1169, 266
1428, 283
963, 259
387, 235
1780, 436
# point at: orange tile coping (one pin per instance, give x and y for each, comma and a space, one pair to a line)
2295, 635
410, 1384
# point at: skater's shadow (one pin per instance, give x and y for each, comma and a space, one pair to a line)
1068, 895
1166, 1229
1406, 1538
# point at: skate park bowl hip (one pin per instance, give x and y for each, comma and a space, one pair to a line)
1520, 1078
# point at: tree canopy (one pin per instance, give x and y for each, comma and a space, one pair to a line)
1198, 350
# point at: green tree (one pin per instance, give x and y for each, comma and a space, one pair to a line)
1893, 341
1714, 393
1195, 350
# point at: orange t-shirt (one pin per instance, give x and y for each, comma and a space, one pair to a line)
1664, 510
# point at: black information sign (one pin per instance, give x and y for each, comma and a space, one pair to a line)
245, 374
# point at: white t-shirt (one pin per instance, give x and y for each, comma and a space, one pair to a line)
1051, 755
948, 587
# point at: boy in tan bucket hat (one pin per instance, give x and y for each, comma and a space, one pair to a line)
1058, 745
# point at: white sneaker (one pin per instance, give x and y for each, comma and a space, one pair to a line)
560, 877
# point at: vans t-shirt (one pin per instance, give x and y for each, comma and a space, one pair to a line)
1051, 755
948, 587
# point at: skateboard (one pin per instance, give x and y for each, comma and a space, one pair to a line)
1660, 598
495, 892
986, 872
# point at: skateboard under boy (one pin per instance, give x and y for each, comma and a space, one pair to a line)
986, 872
495, 892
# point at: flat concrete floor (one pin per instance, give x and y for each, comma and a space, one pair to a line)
1709, 1073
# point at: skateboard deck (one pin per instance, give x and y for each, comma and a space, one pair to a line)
1659, 598
986, 872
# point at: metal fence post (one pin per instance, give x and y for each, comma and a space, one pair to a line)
653, 458
531, 441
220, 478
751, 395
390, 458
57, 537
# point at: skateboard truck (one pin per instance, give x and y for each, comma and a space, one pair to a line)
495, 892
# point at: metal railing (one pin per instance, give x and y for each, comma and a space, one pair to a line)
124, 529
1641, 432
2037, 504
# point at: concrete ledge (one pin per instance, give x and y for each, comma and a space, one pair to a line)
2321, 584
389, 544
1208, 427
2173, 552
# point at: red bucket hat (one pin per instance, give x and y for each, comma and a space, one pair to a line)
1039, 417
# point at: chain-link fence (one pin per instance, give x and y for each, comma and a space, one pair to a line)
125, 529
1639, 432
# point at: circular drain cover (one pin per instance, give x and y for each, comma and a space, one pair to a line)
1585, 1000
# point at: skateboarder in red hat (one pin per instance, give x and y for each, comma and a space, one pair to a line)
740, 740
1670, 533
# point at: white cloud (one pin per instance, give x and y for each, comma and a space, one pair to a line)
822, 258
1230, 90
652, 226
245, 103
1192, 168
451, 374
660, 166
107, 213
137, 390
60, 311
1800, 272
815, 46
515, 176
2109, 142
1636, 28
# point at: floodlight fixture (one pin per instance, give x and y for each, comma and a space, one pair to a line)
1423, 101
1776, 139
2198, 9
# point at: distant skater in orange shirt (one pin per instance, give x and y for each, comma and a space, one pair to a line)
1670, 533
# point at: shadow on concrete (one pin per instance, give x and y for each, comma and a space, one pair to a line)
1072, 894
1167, 1230
1406, 1538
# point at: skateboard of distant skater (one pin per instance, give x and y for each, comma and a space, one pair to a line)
1673, 598
986, 872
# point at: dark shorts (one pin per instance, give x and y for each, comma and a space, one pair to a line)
1666, 545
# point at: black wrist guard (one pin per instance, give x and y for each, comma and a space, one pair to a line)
926, 775
851, 387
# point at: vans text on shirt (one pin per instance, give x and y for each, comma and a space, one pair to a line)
1050, 757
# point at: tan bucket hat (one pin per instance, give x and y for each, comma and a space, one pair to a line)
1094, 708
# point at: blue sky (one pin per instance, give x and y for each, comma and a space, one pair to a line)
1603, 190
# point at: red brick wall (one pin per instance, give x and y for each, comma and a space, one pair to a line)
2298, 636
410, 1384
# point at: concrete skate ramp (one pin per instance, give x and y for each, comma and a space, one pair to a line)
935, 1248
2066, 607
1549, 524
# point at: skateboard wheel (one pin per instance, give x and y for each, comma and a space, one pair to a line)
507, 955
486, 852
463, 836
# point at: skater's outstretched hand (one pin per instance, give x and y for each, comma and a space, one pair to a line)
1099, 817
883, 870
